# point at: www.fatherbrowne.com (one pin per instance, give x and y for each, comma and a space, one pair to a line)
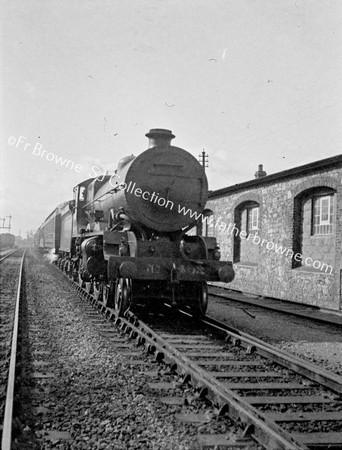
255, 238
222, 226
155, 198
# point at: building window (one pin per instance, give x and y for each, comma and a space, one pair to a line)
252, 219
314, 234
208, 223
246, 220
322, 214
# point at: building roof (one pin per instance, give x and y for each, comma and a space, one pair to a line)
329, 163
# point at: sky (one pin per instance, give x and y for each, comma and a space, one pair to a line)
249, 81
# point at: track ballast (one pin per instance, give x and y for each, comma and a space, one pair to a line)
279, 401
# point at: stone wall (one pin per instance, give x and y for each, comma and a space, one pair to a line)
320, 248
282, 233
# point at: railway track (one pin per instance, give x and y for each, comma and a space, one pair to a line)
251, 304
258, 379
280, 401
7, 253
11, 287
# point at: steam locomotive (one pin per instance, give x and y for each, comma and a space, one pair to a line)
128, 238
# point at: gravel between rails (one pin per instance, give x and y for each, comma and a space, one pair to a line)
327, 355
318, 343
97, 399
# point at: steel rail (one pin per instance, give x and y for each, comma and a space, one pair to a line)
9, 254
327, 319
256, 425
307, 369
236, 408
6, 440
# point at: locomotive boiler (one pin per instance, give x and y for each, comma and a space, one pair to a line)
129, 237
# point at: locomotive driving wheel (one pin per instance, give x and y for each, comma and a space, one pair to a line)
108, 294
68, 268
122, 296
200, 304
89, 287
81, 283
98, 289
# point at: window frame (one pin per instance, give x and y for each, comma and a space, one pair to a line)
250, 226
209, 228
321, 220
317, 204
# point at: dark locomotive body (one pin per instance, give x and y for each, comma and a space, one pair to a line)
124, 236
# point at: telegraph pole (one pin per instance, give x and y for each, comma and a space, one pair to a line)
3, 223
204, 159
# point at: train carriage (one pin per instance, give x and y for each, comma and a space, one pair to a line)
48, 235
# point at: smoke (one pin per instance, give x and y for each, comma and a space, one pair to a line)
50, 256
94, 167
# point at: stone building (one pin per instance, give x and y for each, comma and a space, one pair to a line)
283, 233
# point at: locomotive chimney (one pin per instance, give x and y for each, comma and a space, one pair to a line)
160, 137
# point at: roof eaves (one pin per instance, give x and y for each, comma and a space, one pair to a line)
333, 162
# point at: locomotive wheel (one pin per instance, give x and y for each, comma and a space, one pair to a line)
98, 290
108, 294
80, 281
200, 305
89, 287
122, 296
74, 275
68, 269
